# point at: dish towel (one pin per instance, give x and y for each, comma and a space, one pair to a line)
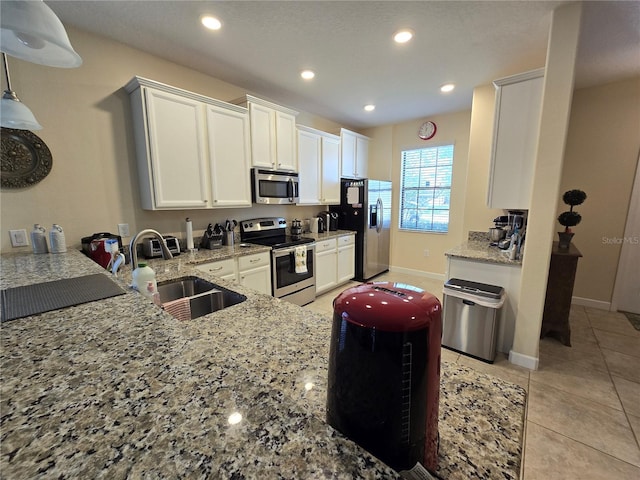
180, 308
301, 259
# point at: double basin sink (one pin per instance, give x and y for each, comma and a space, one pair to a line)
192, 297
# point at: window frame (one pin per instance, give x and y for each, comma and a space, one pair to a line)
401, 197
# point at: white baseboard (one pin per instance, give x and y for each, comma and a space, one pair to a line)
418, 273
589, 302
523, 360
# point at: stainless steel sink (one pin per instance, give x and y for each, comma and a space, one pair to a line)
203, 297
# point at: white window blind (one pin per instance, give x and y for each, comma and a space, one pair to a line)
425, 189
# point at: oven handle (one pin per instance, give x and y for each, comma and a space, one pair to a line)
281, 252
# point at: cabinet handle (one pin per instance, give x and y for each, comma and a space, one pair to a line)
254, 260
215, 269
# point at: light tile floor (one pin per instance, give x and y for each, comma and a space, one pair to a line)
583, 403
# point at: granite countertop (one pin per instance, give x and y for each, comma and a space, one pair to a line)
478, 248
120, 389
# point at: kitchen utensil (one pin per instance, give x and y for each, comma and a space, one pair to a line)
496, 234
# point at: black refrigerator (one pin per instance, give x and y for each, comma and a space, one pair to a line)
365, 206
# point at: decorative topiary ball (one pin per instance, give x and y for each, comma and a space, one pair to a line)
569, 219
574, 197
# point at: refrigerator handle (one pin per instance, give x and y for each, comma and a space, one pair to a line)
380, 215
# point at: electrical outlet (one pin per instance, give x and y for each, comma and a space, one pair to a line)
19, 238
426, 252
123, 229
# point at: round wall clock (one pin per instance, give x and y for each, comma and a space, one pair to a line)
427, 130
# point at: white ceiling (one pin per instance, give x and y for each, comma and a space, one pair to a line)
263, 45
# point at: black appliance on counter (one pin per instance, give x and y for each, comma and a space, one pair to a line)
365, 206
298, 287
384, 372
95, 247
330, 219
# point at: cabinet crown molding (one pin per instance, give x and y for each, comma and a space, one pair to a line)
138, 82
304, 128
265, 103
520, 77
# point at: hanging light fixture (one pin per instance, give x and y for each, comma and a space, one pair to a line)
14, 113
31, 31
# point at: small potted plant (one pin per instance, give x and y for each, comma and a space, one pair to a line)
570, 219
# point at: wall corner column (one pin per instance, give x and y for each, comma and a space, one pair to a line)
541, 223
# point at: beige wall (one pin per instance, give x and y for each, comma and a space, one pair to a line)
601, 156
407, 248
85, 112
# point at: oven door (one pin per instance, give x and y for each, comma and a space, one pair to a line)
270, 187
284, 277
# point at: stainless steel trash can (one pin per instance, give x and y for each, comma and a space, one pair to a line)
471, 315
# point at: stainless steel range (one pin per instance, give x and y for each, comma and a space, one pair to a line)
290, 282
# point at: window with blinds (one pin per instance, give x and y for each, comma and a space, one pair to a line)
425, 189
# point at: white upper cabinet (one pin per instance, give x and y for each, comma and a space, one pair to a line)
230, 179
319, 167
192, 151
330, 186
273, 134
309, 165
515, 139
354, 154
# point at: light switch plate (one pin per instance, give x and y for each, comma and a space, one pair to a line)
123, 229
19, 238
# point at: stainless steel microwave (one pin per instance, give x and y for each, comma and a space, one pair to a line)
274, 187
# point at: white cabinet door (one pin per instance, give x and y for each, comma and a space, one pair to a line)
354, 154
229, 155
326, 270
515, 140
263, 146
309, 148
326, 264
259, 279
286, 158
362, 156
346, 258
330, 166
254, 271
348, 153
176, 161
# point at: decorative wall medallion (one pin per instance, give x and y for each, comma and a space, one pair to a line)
26, 159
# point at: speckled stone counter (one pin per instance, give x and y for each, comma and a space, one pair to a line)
478, 248
120, 389
330, 234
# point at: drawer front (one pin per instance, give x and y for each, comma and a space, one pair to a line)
219, 268
324, 245
346, 240
248, 262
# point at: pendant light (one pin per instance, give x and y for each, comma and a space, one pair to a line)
31, 31
14, 113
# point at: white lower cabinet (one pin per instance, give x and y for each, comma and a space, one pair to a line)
326, 265
252, 271
335, 262
346, 258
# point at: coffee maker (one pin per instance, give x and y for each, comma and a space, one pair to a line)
323, 221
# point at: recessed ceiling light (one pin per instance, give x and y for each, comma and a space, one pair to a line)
307, 74
212, 23
403, 36
447, 87
369, 108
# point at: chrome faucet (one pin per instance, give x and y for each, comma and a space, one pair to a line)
166, 254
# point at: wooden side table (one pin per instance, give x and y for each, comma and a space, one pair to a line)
557, 304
